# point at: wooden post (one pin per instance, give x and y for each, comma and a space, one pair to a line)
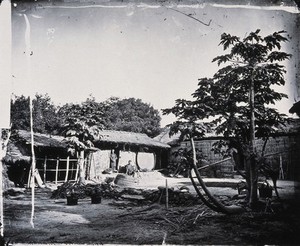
56, 170
45, 169
67, 171
72, 167
281, 174
167, 195
77, 170
94, 165
29, 179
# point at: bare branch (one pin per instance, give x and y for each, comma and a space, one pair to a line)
191, 17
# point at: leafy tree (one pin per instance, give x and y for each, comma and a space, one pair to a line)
90, 112
44, 114
238, 99
131, 115
80, 123
114, 114
20, 113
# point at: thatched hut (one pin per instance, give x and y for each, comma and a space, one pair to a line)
49, 151
55, 163
145, 152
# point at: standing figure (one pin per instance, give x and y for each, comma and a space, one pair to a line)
113, 160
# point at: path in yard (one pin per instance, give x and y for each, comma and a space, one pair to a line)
217, 186
120, 223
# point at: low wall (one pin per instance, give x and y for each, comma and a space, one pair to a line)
281, 151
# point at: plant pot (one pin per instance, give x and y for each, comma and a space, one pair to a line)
72, 200
265, 192
96, 199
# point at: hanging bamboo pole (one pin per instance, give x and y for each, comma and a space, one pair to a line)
32, 180
67, 171
28, 52
1, 190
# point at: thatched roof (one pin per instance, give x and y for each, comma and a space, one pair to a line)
131, 138
42, 140
16, 148
164, 137
15, 153
291, 127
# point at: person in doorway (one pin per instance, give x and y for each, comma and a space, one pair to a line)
113, 161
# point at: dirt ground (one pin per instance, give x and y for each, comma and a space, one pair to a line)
124, 221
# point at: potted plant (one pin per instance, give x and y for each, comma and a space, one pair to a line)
73, 192
265, 189
72, 196
96, 195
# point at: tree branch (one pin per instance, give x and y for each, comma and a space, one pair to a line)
191, 17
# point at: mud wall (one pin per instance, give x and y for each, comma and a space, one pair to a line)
280, 150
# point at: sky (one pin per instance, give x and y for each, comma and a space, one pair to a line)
153, 52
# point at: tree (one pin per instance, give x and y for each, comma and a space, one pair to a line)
44, 114
113, 114
131, 115
20, 117
238, 98
80, 123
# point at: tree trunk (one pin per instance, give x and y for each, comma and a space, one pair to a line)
214, 203
81, 178
251, 162
253, 181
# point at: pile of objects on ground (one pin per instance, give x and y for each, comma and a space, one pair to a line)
110, 190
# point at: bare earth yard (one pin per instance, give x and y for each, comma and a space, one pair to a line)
126, 221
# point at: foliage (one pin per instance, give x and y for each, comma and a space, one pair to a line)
80, 123
225, 98
180, 160
20, 113
251, 59
113, 114
45, 119
248, 71
131, 115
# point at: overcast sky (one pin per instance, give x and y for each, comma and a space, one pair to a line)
150, 52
